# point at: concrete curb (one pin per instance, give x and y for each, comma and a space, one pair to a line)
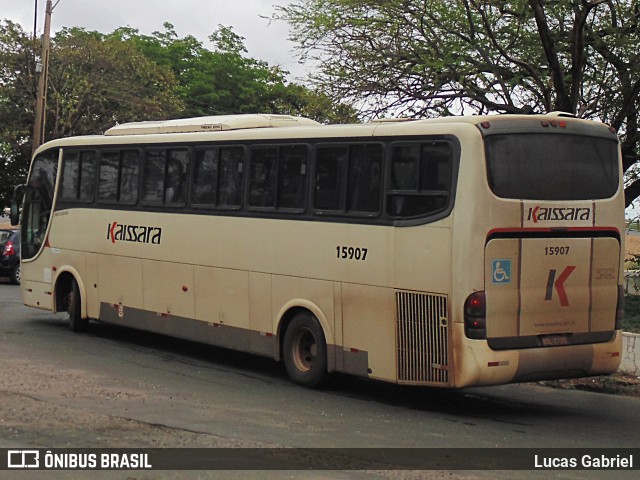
630, 354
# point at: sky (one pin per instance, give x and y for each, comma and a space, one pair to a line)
264, 40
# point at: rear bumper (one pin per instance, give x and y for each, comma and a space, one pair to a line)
480, 365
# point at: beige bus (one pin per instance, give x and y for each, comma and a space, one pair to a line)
447, 252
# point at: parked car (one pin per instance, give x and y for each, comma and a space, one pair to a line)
10, 255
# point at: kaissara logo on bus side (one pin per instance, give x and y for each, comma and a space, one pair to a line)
559, 214
117, 232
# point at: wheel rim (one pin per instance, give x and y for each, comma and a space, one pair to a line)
305, 350
18, 273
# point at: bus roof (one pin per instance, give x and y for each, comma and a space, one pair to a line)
269, 126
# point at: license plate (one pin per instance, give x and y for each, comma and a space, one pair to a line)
554, 340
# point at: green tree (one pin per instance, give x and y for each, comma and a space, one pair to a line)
94, 82
428, 57
17, 99
223, 80
97, 80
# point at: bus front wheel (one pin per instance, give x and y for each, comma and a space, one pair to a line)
76, 322
305, 351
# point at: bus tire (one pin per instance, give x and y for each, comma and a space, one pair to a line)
76, 322
305, 351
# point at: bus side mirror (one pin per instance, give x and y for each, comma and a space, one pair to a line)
14, 210
14, 213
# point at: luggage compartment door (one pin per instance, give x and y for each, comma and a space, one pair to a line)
550, 291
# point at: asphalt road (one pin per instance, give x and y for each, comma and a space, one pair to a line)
114, 388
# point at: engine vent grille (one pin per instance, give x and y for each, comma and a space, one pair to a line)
422, 335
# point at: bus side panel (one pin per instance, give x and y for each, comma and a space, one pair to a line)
315, 295
221, 296
259, 318
90, 277
605, 278
168, 288
120, 281
423, 258
84, 267
36, 281
37, 294
369, 326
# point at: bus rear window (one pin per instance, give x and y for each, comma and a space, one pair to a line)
552, 166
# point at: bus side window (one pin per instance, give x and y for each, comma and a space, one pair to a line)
365, 177
348, 179
330, 178
118, 177
78, 176
108, 179
292, 177
263, 174
154, 166
70, 176
205, 177
436, 167
230, 177
176, 177
129, 173
88, 167
217, 177
420, 179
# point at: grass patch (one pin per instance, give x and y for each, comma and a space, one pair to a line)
633, 226
631, 321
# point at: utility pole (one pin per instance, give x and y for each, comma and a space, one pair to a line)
35, 20
41, 100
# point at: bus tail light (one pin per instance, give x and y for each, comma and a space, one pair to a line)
620, 308
475, 316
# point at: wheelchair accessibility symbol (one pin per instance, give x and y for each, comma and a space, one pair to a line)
501, 271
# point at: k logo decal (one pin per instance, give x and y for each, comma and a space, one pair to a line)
559, 285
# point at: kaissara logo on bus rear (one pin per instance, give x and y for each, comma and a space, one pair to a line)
117, 232
558, 214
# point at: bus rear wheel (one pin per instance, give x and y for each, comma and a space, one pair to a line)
76, 322
305, 351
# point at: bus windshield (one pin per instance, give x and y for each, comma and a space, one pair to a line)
546, 166
38, 203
